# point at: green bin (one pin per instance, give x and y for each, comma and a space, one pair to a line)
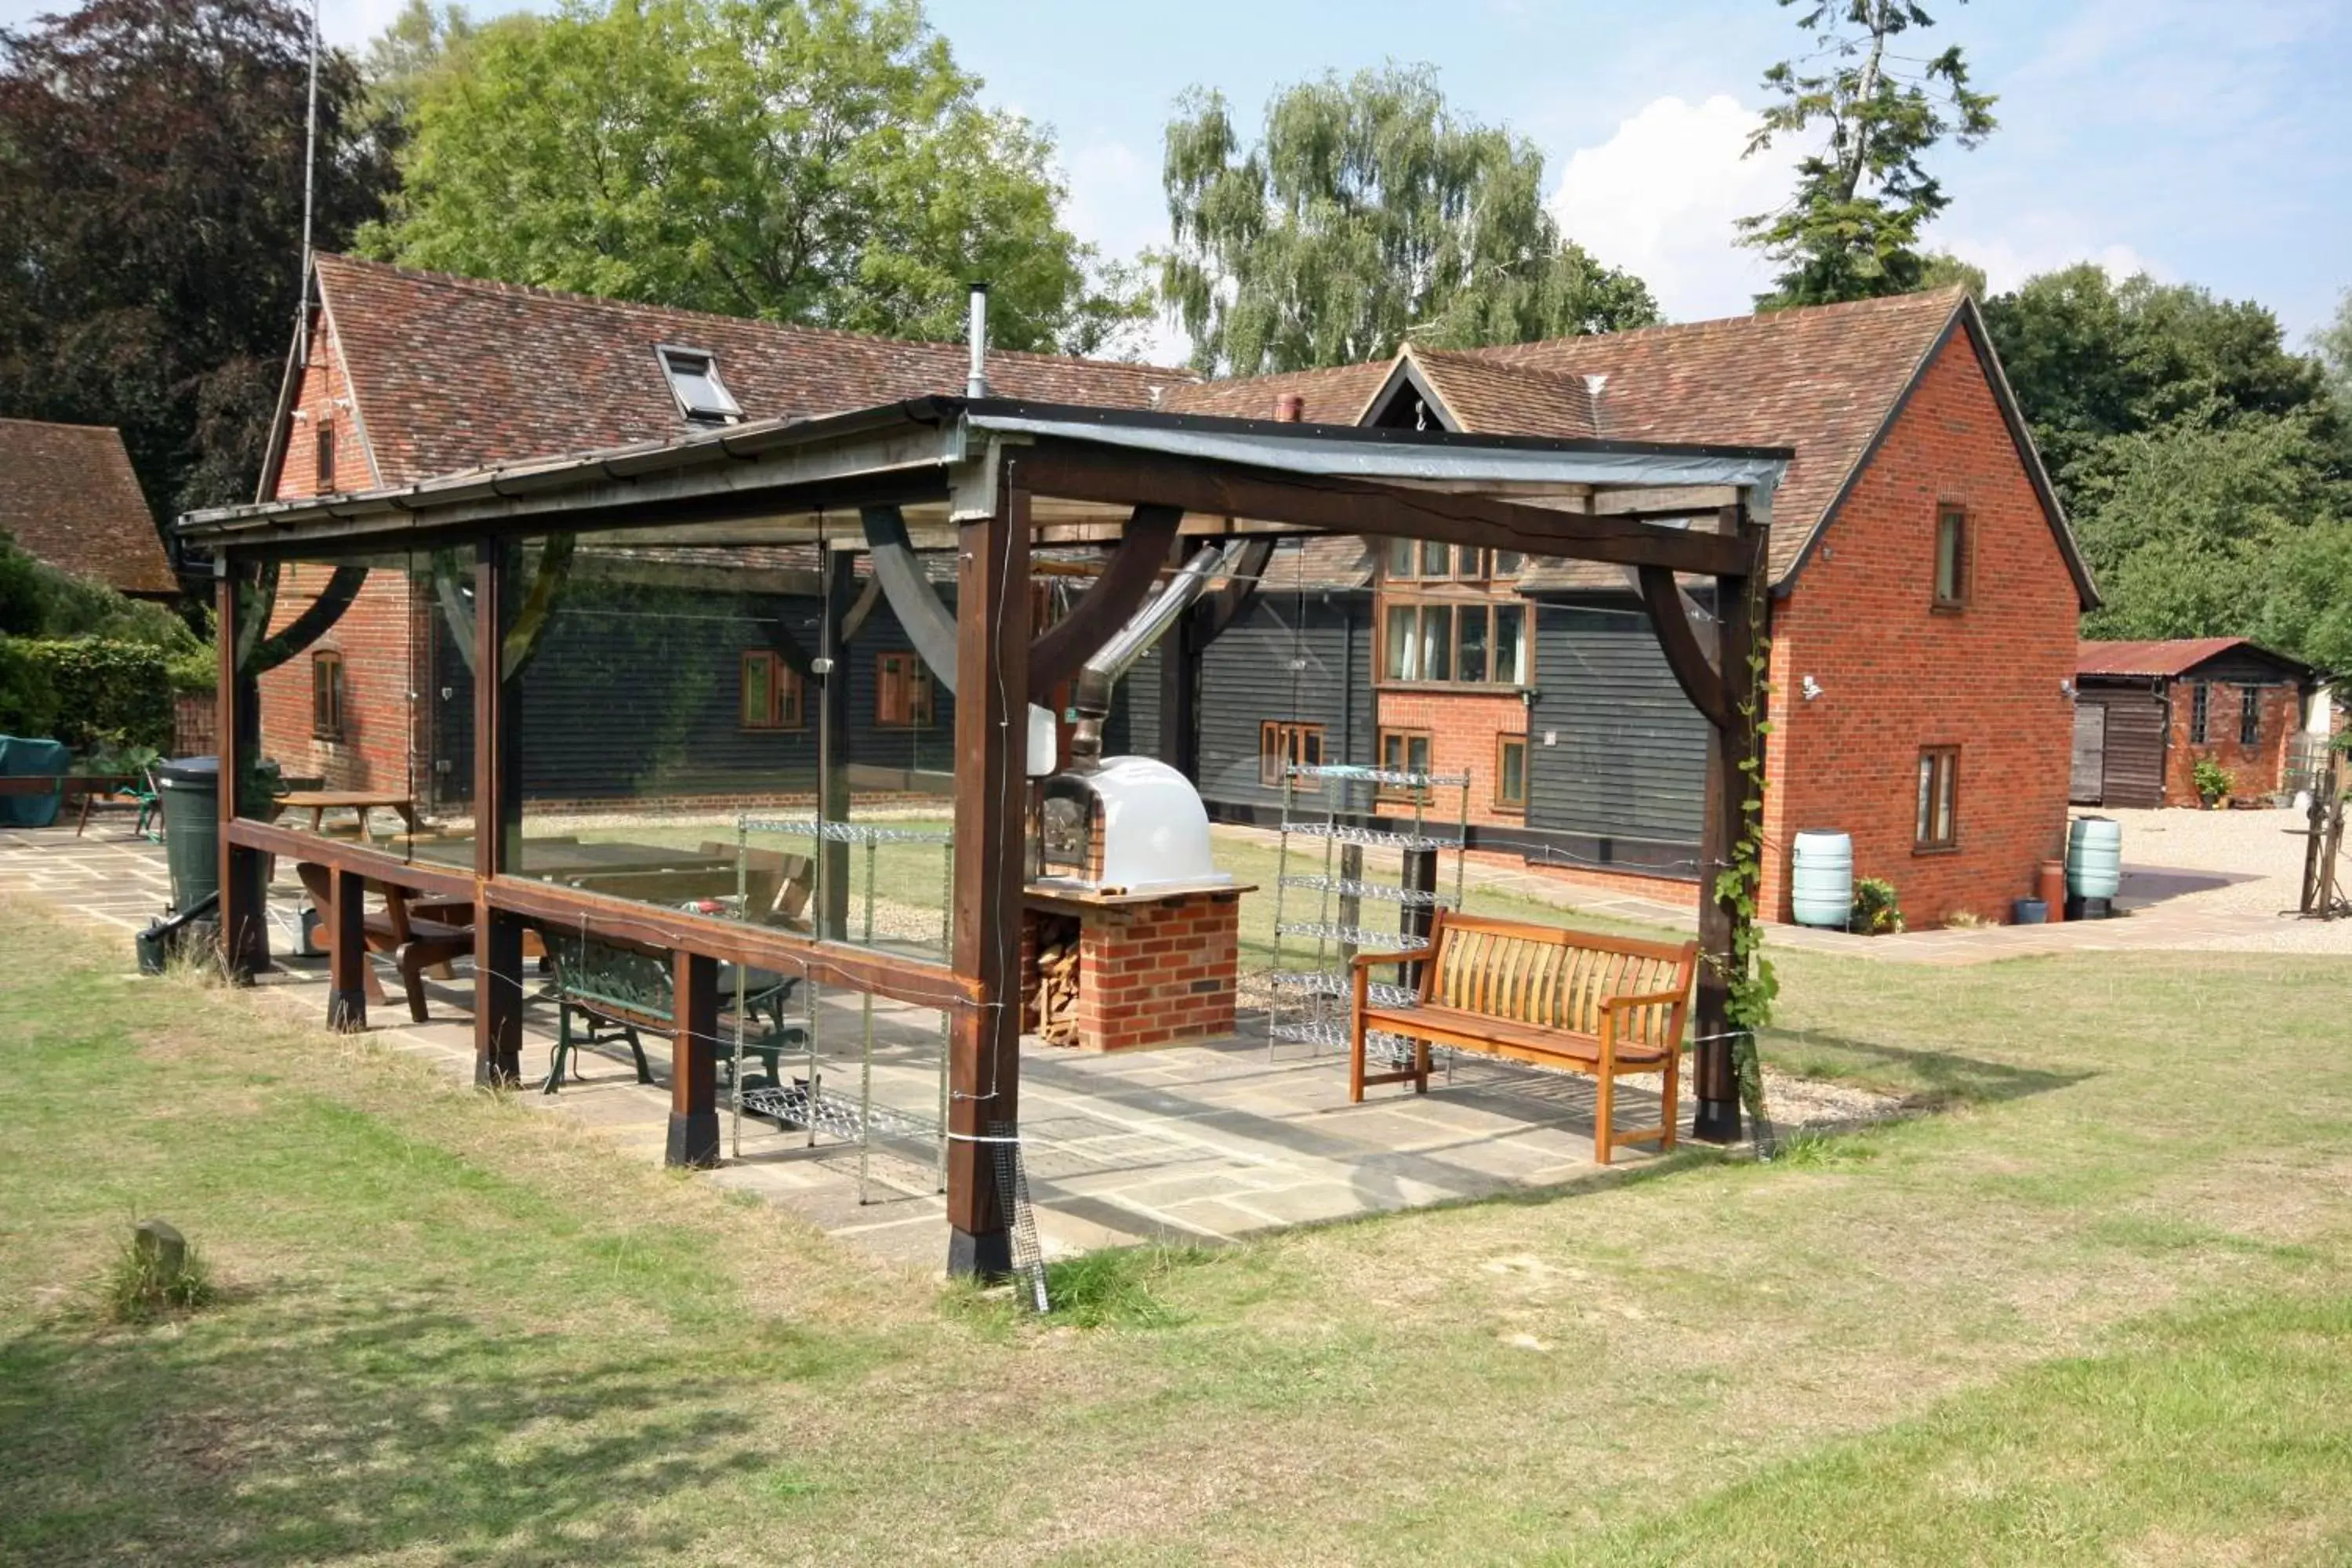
189, 788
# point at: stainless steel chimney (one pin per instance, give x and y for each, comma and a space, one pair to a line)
976, 383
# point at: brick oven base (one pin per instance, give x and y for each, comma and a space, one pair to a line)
1154, 969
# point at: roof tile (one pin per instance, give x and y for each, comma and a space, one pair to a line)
67, 497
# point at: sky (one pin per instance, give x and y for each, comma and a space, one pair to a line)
2200, 141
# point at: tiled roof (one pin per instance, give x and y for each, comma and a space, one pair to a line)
1332, 396
2175, 656
68, 497
1320, 560
452, 373
1494, 397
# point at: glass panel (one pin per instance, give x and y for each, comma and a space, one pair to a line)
1511, 644
1508, 564
1949, 530
1403, 657
1436, 560
1310, 748
1946, 786
1924, 831
1269, 754
1436, 643
1417, 753
758, 691
1472, 652
1400, 556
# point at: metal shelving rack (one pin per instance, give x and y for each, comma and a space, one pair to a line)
811, 1105
1312, 996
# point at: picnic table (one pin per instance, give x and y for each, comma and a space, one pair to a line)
319, 802
576, 864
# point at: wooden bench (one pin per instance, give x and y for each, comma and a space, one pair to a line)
416, 934
1601, 1005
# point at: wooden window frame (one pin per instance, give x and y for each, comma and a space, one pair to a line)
786, 709
1503, 742
922, 709
322, 456
2250, 716
1962, 567
1939, 769
1415, 550
1493, 605
327, 695
1282, 742
1407, 734
2200, 712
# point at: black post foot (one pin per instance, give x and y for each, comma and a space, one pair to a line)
347, 1011
987, 1256
1716, 1121
497, 1072
693, 1138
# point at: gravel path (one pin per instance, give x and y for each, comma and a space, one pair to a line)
2260, 854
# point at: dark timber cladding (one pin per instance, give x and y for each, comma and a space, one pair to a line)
1616, 753
762, 484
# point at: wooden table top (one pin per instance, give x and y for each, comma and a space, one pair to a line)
549, 861
326, 799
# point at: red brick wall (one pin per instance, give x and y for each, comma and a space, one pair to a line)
2255, 769
1897, 676
381, 637
1150, 974
1462, 730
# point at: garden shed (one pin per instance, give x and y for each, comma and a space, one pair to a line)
2145, 713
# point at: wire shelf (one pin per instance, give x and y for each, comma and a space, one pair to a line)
1328, 983
1373, 838
838, 1114
1356, 773
1389, 1050
1354, 936
844, 832
1411, 898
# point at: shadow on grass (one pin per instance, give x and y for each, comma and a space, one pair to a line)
282, 1428
1923, 1079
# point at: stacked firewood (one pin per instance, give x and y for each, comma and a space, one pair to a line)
1057, 993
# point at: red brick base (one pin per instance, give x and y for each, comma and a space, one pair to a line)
1150, 974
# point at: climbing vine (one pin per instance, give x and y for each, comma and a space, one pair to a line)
1750, 983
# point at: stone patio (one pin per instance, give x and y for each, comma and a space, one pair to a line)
1204, 1142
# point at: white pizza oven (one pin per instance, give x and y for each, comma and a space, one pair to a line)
1128, 825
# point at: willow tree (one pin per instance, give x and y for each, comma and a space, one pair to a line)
1369, 211
1851, 231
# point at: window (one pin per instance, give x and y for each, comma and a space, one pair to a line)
327, 695
1284, 745
902, 695
1404, 752
1939, 798
2250, 716
770, 692
1510, 772
1421, 560
693, 375
1481, 644
326, 456
1951, 558
2197, 708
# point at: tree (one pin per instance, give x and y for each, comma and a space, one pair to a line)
419, 43
2334, 343
819, 161
1852, 231
150, 221
1368, 212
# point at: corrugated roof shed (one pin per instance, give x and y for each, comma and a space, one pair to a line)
2168, 657
67, 497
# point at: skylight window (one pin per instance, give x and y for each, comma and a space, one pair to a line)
694, 381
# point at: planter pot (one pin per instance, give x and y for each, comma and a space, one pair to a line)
2029, 913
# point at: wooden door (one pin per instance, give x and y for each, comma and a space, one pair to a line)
2089, 786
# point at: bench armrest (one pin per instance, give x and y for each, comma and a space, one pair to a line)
1409, 955
1654, 999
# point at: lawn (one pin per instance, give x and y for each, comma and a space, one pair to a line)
2095, 1307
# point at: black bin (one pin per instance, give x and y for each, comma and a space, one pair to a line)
189, 788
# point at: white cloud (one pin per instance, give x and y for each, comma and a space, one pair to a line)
1660, 197
2040, 244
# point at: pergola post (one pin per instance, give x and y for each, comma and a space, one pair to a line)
694, 1062
993, 627
1732, 734
244, 919
346, 916
833, 725
498, 816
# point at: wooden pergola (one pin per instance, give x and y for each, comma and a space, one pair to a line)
989, 480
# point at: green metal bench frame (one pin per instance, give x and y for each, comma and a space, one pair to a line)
617, 989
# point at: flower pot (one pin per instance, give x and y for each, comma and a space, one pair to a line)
2029, 913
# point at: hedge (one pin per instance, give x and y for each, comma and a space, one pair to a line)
105, 693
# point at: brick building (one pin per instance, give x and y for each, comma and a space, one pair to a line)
1924, 601
2145, 713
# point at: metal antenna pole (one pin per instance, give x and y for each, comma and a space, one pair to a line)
309, 182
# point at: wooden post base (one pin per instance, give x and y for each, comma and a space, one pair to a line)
987, 1256
693, 1140
1716, 1121
347, 1011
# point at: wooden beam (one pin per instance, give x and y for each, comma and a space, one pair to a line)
1110, 604
1222, 605
498, 819
243, 916
984, 1056
1670, 620
917, 983
1730, 744
344, 855
1336, 504
694, 1062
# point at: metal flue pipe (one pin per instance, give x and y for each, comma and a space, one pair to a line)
1090, 693
976, 382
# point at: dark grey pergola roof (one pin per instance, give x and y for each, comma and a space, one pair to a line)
773, 481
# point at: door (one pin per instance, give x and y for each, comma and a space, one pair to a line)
2089, 786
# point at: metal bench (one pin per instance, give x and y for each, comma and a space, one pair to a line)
615, 990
